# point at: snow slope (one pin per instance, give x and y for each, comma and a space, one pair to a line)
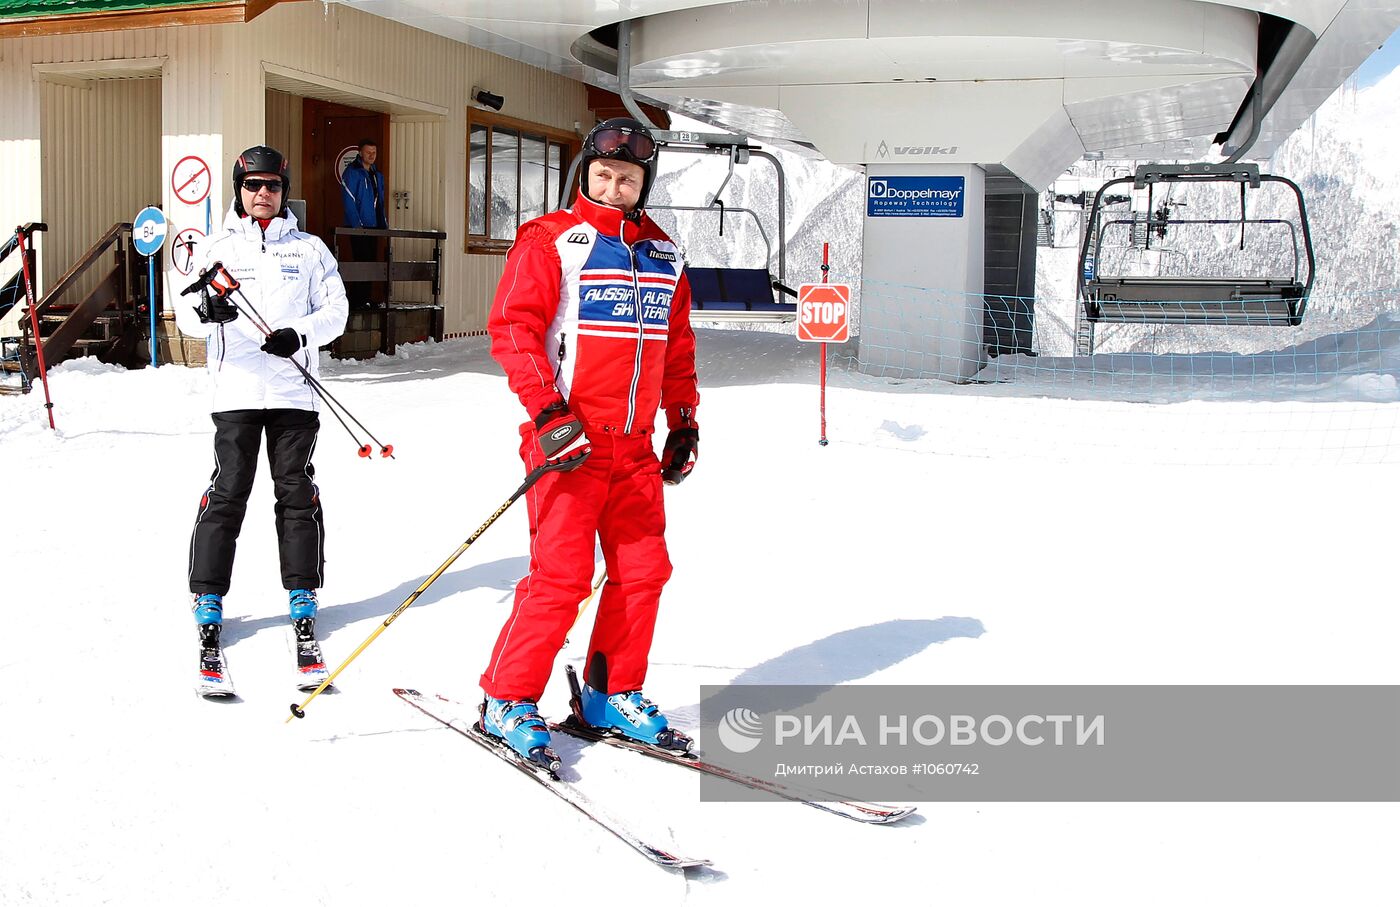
949, 535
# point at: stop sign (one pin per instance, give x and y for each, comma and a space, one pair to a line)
824, 312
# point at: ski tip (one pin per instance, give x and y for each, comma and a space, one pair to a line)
670, 861
886, 816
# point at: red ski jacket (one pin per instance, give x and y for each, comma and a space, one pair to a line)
594, 309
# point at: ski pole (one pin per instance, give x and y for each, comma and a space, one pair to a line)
224, 284
21, 233
385, 450
208, 277
362, 448
299, 711
230, 284
597, 584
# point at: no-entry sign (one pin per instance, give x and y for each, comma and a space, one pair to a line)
824, 312
190, 179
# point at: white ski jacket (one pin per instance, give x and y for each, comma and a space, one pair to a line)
289, 278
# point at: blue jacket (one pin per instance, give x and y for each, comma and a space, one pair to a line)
363, 207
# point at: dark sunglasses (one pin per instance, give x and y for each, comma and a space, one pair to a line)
256, 185
609, 142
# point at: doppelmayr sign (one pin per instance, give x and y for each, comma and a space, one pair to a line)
915, 196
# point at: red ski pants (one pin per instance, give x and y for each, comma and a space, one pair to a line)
615, 497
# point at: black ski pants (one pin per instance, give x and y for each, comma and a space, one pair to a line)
291, 439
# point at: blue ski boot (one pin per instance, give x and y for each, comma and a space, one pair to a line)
311, 664
519, 725
213, 681
631, 715
302, 603
208, 609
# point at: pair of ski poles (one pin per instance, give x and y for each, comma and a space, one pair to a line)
299, 711
221, 283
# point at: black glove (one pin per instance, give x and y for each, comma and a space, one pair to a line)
216, 310
680, 453
561, 438
282, 342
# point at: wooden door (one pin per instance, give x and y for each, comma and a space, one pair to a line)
331, 136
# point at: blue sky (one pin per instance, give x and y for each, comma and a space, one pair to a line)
1380, 63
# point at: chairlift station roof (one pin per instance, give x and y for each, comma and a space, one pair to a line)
1029, 84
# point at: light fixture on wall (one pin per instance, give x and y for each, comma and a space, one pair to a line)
487, 99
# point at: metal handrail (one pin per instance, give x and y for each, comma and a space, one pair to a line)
1292, 235
767, 245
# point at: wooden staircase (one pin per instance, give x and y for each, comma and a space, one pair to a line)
108, 321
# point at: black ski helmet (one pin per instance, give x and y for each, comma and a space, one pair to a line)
259, 159
621, 139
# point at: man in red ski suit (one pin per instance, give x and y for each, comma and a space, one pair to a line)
591, 323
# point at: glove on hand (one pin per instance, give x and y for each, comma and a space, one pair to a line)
282, 342
216, 310
679, 455
560, 436
682, 447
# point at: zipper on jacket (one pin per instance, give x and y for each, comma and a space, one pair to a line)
563, 351
641, 331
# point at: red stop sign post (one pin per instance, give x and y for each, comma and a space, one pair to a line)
824, 316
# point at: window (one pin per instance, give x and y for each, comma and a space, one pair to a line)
514, 170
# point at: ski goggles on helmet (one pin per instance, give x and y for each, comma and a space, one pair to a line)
625, 144
255, 185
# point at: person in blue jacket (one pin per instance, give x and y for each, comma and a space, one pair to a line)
364, 207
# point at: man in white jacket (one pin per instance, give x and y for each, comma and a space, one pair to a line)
291, 280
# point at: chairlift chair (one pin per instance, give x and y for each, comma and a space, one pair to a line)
1203, 300
719, 294
726, 294
735, 294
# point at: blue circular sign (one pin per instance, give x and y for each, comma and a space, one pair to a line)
148, 231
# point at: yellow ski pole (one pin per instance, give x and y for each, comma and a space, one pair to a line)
597, 584
299, 711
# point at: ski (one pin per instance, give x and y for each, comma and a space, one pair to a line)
442, 710
683, 754
214, 681
859, 811
311, 664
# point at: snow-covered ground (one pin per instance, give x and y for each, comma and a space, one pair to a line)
1077, 538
